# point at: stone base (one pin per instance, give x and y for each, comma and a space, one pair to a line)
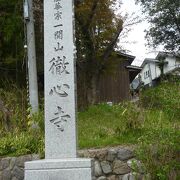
59, 169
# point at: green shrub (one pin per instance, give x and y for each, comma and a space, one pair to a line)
14, 144
36, 120
164, 97
133, 116
22, 137
15, 100
158, 147
159, 151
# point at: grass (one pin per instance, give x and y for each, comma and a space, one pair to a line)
103, 125
20, 143
152, 125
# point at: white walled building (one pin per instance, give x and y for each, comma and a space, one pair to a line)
151, 71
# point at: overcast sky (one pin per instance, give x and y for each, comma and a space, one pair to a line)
137, 34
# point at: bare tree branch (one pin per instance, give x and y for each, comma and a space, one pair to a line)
111, 45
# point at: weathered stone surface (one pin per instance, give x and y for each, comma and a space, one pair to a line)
106, 167
120, 177
125, 154
18, 173
125, 177
14, 178
135, 176
93, 178
59, 169
60, 134
97, 169
102, 178
0, 165
136, 166
35, 157
120, 167
1, 175
112, 177
12, 163
22, 159
6, 174
101, 155
111, 154
132, 176
4, 163
93, 153
83, 153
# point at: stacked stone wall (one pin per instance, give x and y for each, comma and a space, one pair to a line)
117, 163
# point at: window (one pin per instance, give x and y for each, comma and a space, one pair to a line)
146, 74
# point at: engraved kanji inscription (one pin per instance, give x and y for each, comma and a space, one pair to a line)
58, 25
59, 66
58, 35
60, 118
60, 90
57, 5
57, 0
58, 15
59, 47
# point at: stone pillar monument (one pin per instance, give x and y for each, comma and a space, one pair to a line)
61, 162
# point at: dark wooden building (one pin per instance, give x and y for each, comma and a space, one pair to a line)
115, 87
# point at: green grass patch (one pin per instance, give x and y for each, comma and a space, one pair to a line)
152, 125
165, 97
105, 125
21, 143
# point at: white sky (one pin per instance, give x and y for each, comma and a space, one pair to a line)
137, 34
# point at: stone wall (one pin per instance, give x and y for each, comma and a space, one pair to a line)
109, 164
117, 163
12, 168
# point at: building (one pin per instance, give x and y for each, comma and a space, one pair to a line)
116, 87
113, 86
151, 68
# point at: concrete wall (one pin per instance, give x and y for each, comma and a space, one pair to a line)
117, 163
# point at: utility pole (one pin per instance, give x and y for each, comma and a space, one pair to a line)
31, 53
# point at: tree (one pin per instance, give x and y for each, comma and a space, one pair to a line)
11, 36
161, 64
97, 32
164, 18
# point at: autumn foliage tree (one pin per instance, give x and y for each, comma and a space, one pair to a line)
97, 32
